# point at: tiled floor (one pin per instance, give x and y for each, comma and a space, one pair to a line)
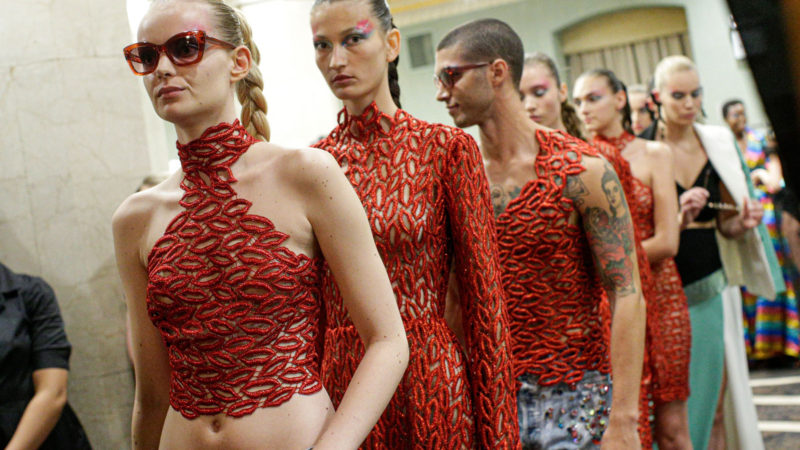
776, 394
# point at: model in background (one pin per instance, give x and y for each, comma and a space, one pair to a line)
425, 192
545, 96
221, 262
771, 326
602, 102
643, 111
563, 225
714, 199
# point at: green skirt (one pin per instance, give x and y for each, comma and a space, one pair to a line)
708, 354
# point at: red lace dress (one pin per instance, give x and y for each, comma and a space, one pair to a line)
554, 293
237, 311
425, 192
611, 149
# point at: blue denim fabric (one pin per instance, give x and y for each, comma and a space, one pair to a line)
563, 416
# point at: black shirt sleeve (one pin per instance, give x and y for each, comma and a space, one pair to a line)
49, 345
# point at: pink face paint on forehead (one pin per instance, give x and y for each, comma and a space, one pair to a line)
364, 27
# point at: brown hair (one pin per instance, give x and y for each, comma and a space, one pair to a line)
569, 116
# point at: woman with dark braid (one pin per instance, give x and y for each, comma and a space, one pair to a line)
427, 199
221, 262
602, 102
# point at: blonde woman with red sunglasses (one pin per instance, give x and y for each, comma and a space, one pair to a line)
220, 263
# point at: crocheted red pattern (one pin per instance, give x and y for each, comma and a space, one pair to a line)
426, 195
237, 311
554, 293
672, 333
611, 149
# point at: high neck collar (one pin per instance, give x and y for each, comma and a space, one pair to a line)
218, 146
619, 142
371, 121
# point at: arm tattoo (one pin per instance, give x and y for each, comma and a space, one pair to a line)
501, 197
575, 189
610, 234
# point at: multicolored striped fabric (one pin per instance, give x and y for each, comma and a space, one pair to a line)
771, 327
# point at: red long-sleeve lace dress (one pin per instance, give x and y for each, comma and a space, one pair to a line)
238, 312
670, 326
426, 196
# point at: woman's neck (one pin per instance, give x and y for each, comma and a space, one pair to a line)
612, 130
672, 132
383, 100
190, 130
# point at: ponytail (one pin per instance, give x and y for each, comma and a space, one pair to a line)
573, 124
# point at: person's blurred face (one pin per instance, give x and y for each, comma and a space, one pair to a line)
681, 97
198, 90
736, 118
470, 97
352, 51
542, 96
640, 112
597, 105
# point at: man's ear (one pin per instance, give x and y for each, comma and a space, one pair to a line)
242, 61
499, 71
393, 43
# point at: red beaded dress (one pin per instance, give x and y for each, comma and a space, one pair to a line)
554, 294
670, 326
611, 150
426, 196
238, 312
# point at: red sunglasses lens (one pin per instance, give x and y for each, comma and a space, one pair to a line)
183, 49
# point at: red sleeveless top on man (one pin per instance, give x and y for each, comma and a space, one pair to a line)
237, 311
426, 196
667, 309
554, 293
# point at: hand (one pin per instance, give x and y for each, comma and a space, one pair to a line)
751, 214
620, 437
759, 176
691, 203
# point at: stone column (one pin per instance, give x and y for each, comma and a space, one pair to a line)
73, 144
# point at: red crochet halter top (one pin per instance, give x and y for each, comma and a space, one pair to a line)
237, 311
554, 294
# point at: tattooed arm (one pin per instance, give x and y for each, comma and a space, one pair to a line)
597, 194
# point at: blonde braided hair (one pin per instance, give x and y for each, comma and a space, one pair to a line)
235, 29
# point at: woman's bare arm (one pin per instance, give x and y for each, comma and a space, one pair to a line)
345, 238
150, 360
664, 242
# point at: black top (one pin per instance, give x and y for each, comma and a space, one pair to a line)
32, 337
698, 254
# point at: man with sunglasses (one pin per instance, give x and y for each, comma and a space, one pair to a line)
558, 239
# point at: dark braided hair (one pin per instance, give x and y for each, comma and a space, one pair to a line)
569, 116
616, 85
380, 9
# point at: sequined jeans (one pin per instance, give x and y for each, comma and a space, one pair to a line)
563, 416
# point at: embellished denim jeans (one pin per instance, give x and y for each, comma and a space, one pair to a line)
563, 416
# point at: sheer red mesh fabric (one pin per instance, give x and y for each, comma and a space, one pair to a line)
611, 149
427, 199
554, 294
672, 333
237, 311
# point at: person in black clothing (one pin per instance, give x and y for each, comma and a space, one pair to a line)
34, 360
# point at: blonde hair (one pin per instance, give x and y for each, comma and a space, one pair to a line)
234, 29
670, 65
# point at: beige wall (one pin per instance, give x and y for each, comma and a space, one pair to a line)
72, 146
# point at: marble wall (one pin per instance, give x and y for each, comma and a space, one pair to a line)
74, 142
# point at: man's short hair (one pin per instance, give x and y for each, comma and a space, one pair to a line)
485, 40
